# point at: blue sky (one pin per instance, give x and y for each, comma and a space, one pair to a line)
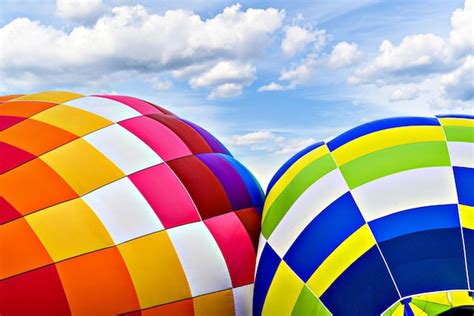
267, 78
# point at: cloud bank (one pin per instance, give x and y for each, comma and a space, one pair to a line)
216, 53
440, 69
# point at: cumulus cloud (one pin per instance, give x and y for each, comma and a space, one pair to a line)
416, 54
229, 76
424, 59
297, 38
295, 145
459, 84
404, 92
158, 84
79, 10
226, 90
252, 138
266, 141
311, 40
461, 37
299, 73
296, 74
132, 39
344, 54
272, 86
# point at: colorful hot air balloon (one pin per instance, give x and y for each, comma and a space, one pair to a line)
111, 205
372, 222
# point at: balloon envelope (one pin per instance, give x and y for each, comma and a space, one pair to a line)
374, 218
111, 205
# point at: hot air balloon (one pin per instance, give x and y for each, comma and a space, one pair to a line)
379, 220
112, 205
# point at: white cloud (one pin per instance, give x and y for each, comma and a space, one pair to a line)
266, 141
344, 54
404, 92
229, 77
79, 10
191, 70
459, 84
226, 90
157, 84
295, 145
272, 86
416, 54
299, 73
461, 37
442, 66
252, 138
297, 38
225, 72
132, 39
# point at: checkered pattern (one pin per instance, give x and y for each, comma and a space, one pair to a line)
112, 205
379, 214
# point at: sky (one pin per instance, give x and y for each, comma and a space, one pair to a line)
268, 78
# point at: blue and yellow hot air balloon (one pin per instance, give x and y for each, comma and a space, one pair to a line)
379, 220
